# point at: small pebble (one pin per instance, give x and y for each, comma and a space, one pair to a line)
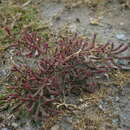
121, 23
55, 127
6, 129
101, 107
120, 129
73, 28
3, 73
121, 36
15, 125
115, 121
117, 99
102, 128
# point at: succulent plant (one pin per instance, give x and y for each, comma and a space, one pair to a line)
73, 63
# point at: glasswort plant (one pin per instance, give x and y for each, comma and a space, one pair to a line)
74, 63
